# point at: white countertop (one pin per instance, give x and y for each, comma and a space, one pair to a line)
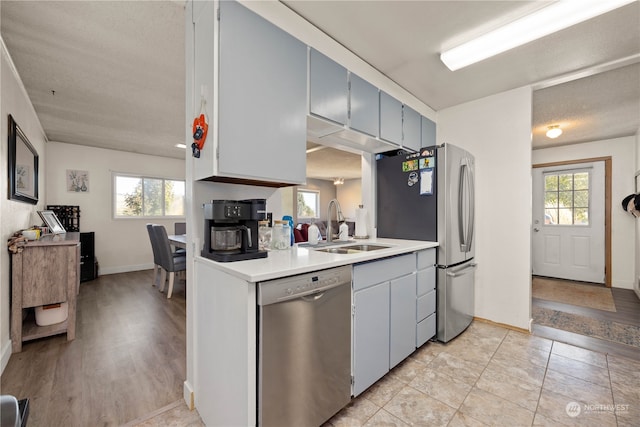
298, 260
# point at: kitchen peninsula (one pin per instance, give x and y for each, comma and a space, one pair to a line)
226, 298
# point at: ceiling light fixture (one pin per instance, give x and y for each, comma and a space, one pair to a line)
555, 17
338, 181
183, 146
554, 131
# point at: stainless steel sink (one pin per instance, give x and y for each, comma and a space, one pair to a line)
353, 249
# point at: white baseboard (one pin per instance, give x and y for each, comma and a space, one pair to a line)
6, 355
125, 269
188, 395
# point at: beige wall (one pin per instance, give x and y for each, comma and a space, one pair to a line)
636, 280
15, 216
497, 131
622, 152
121, 244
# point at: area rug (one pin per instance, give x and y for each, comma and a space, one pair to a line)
566, 292
603, 329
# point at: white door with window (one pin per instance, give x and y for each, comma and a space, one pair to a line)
568, 222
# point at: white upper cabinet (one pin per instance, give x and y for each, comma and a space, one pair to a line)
254, 79
364, 102
411, 132
390, 119
428, 132
328, 88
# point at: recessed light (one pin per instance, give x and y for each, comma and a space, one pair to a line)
554, 131
180, 145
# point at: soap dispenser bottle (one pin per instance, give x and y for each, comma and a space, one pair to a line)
313, 234
343, 233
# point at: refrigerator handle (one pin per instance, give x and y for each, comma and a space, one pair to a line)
465, 194
462, 271
472, 202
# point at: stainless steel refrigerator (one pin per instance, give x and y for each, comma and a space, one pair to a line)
430, 196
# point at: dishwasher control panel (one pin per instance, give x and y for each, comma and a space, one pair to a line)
277, 290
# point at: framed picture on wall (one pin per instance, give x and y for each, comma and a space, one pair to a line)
77, 181
23, 166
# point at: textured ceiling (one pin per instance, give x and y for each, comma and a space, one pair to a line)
117, 67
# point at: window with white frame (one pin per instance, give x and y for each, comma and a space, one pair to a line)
137, 196
308, 204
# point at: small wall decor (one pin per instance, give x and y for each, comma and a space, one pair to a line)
77, 181
23, 166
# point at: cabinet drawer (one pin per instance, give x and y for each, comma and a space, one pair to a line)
374, 272
426, 280
425, 330
426, 258
426, 305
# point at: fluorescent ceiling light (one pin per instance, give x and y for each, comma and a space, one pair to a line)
555, 17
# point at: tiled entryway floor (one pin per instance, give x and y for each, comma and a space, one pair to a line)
498, 377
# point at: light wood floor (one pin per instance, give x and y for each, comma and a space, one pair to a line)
128, 358
627, 312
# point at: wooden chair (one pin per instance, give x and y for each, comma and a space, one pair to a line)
170, 264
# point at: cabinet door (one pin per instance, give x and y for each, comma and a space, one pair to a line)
411, 126
390, 119
45, 274
370, 336
364, 106
200, 50
262, 107
328, 88
403, 319
428, 132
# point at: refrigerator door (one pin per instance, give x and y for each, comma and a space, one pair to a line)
456, 202
402, 211
455, 291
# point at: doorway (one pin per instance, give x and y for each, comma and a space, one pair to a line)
571, 235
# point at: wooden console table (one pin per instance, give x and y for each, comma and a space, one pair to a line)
47, 271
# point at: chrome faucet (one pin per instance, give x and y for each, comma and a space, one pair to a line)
339, 217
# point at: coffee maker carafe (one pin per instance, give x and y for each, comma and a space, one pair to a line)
231, 229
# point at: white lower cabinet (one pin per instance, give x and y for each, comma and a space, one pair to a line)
394, 305
426, 297
371, 336
384, 317
402, 319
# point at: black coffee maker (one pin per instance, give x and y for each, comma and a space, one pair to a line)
231, 229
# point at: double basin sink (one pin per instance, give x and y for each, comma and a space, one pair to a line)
350, 249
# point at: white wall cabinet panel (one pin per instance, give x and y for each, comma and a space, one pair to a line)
402, 319
261, 100
328, 88
370, 336
364, 106
390, 119
411, 129
428, 132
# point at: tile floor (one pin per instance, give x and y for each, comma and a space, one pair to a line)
489, 376
498, 377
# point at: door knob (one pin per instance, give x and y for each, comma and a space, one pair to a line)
536, 229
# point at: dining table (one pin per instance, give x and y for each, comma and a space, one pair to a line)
178, 240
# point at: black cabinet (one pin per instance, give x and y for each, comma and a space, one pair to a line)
88, 264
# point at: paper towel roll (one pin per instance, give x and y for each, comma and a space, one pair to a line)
361, 222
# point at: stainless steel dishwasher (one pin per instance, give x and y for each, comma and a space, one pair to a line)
304, 348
